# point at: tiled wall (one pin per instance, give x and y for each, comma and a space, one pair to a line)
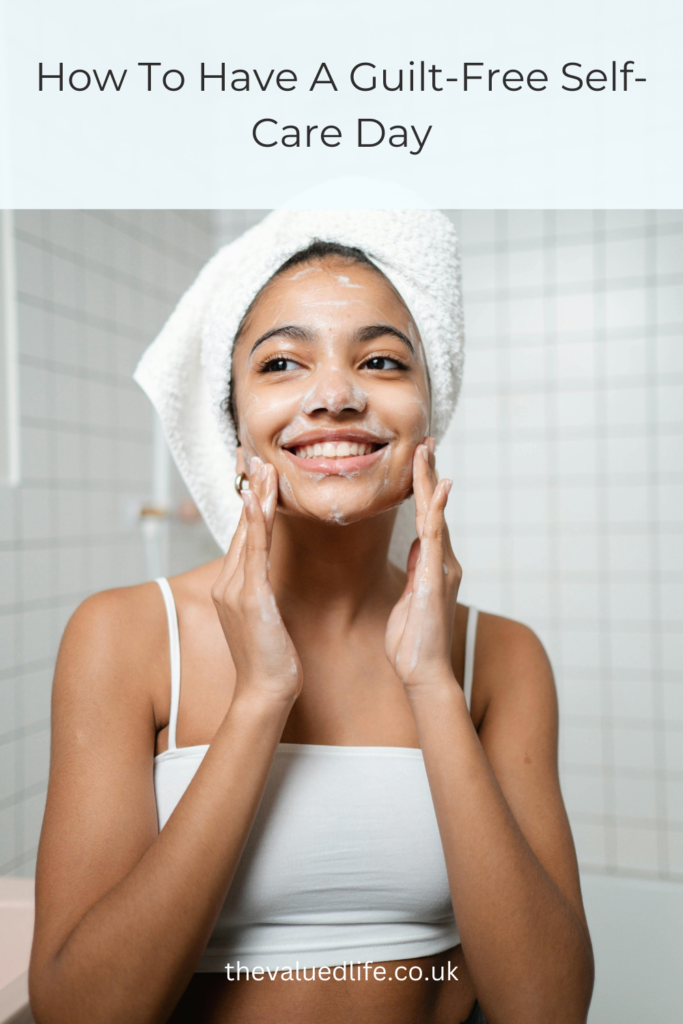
567, 509
93, 289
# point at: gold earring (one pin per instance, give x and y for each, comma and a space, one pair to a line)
241, 482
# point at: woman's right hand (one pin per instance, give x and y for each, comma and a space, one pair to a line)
265, 658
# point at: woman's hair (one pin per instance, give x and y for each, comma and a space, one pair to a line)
313, 253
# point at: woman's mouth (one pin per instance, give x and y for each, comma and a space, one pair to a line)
334, 457
334, 450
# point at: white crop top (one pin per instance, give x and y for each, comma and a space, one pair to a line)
344, 861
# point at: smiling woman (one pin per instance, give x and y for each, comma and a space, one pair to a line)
338, 781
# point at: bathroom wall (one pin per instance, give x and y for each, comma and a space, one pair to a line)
567, 508
93, 290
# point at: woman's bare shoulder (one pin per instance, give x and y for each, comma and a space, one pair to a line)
115, 647
511, 665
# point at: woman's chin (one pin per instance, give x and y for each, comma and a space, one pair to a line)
341, 513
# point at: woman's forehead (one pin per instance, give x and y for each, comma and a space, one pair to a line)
334, 285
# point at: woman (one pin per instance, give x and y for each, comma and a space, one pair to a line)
325, 792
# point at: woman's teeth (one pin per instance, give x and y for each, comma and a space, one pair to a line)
333, 450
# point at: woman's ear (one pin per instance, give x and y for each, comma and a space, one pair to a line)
240, 464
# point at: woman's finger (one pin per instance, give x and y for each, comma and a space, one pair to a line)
256, 547
423, 488
432, 547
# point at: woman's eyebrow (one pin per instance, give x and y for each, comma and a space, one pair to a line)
377, 330
289, 330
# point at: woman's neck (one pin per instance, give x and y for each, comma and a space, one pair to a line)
342, 570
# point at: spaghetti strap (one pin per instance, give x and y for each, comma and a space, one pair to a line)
174, 643
470, 642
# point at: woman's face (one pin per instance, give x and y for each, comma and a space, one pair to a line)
330, 386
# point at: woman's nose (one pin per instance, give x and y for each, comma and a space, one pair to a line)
334, 391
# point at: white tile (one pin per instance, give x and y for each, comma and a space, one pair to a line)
625, 307
583, 794
625, 258
669, 400
581, 650
525, 225
527, 506
669, 452
574, 263
669, 354
618, 220
576, 312
578, 553
672, 698
578, 696
576, 456
482, 506
625, 407
575, 360
627, 356
481, 366
481, 412
530, 553
631, 649
629, 455
527, 411
579, 601
674, 800
477, 226
636, 848
635, 798
628, 503
8, 756
530, 600
633, 748
7, 834
7, 641
671, 597
478, 461
526, 318
527, 364
627, 552
670, 500
478, 273
576, 505
575, 409
630, 601
671, 650
670, 304
582, 745
674, 748
631, 698
670, 253
525, 268
527, 459
675, 851
573, 222
36, 758
590, 842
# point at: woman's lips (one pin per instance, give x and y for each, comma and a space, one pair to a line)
336, 465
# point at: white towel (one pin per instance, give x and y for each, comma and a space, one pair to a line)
186, 370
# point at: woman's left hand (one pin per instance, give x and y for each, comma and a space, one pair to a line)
420, 628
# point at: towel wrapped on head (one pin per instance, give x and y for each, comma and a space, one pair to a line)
186, 371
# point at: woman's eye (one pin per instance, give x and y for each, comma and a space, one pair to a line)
384, 363
279, 365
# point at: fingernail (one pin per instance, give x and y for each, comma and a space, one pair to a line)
425, 452
255, 466
263, 473
449, 484
431, 444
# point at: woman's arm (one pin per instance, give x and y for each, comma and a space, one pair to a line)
507, 844
124, 912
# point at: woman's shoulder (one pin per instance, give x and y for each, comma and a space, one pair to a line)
511, 666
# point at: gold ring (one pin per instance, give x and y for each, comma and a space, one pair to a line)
241, 482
